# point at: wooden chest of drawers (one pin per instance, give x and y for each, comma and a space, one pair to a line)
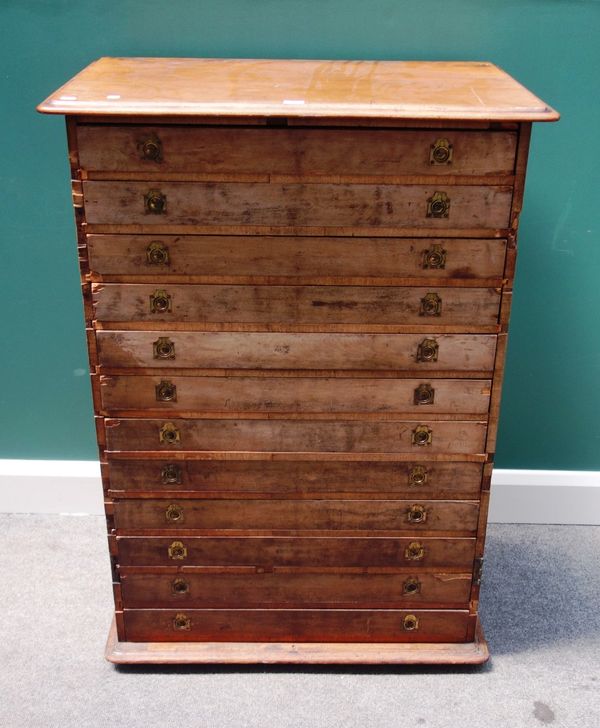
297, 279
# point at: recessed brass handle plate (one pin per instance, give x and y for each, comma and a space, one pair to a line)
174, 513
434, 258
416, 514
422, 436
177, 551
411, 586
166, 391
415, 551
427, 351
180, 587
417, 475
160, 302
431, 305
441, 152
157, 253
424, 394
438, 205
163, 348
155, 202
410, 623
169, 434
182, 623
170, 473
151, 148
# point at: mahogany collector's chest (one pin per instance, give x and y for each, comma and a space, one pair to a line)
297, 279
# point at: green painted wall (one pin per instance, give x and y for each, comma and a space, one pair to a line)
552, 399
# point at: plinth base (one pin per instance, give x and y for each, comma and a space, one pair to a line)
299, 653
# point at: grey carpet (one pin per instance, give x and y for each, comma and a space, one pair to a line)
540, 610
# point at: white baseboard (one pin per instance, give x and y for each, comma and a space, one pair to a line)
518, 496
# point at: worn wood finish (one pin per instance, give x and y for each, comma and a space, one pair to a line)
291, 625
305, 204
296, 435
295, 304
271, 258
308, 590
414, 552
297, 88
294, 152
297, 515
298, 394
454, 480
247, 350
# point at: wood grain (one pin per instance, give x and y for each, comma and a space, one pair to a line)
298, 394
295, 256
301, 589
295, 304
295, 152
300, 204
296, 436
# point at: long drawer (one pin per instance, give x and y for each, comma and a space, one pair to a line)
295, 257
297, 152
305, 205
291, 625
270, 551
262, 350
295, 304
293, 394
430, 479
296, 515
306, 588
255, 435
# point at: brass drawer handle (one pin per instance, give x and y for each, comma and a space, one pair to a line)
438, 205
416, 514
155, 202
171, 473
169, 434
151, 148
166, 391
422, 436
174, 513
417, 475
180, 586
431, 305
410, 623
415, 551
411, 586
163, 348
157, 253
177, 551
441, 152
434, 258
424, 394
160, 302
427, 350
182, 623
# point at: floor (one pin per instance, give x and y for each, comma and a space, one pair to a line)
540, 610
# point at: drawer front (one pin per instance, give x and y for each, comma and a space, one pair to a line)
454, 480
296, 436
414, 552
295, 152
297, 515
300, 589
296, 304
295, 257
291, 625
307, 205
260, 350
294, 394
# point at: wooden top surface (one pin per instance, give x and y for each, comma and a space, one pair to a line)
297, 88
